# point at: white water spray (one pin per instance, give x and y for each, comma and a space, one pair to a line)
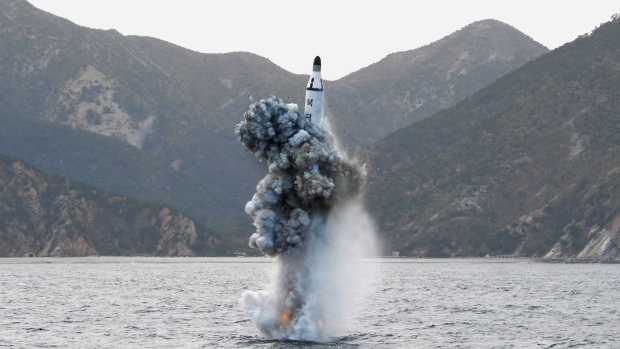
309, 217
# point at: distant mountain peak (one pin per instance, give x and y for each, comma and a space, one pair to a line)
20, 9
412, 85
492, 28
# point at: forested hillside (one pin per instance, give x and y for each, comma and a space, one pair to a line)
528, 165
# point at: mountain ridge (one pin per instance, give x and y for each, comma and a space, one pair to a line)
156, 119
524, 166
409, 86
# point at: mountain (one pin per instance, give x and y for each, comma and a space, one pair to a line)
167, 140
148, 119
409, 86
46, 215
526, 166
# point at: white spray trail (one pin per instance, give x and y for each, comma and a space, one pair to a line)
308, 215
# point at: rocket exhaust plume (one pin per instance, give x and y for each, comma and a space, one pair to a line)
307, 175
308, 215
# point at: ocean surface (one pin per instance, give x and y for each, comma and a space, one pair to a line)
110, 302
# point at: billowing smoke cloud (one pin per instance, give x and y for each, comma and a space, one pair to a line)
307, 214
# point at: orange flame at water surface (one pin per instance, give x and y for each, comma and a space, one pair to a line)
285, 316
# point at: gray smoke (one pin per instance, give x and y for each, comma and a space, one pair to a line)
307, 175
307, 215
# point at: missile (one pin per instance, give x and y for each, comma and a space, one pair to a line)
314, 93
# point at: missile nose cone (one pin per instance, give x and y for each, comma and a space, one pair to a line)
316, 65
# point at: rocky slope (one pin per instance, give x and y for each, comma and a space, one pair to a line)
46, 215
527, 166
151, 120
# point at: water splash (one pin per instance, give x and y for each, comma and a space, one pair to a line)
308, 216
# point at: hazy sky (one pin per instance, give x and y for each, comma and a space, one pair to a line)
348, 38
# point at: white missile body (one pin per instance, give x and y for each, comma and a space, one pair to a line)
314, 94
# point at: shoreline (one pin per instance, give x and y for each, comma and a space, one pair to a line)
387, 259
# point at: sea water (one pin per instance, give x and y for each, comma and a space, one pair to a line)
110, 302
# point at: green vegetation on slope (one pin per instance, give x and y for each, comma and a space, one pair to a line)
523, 163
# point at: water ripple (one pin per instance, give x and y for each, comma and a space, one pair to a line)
193, 303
